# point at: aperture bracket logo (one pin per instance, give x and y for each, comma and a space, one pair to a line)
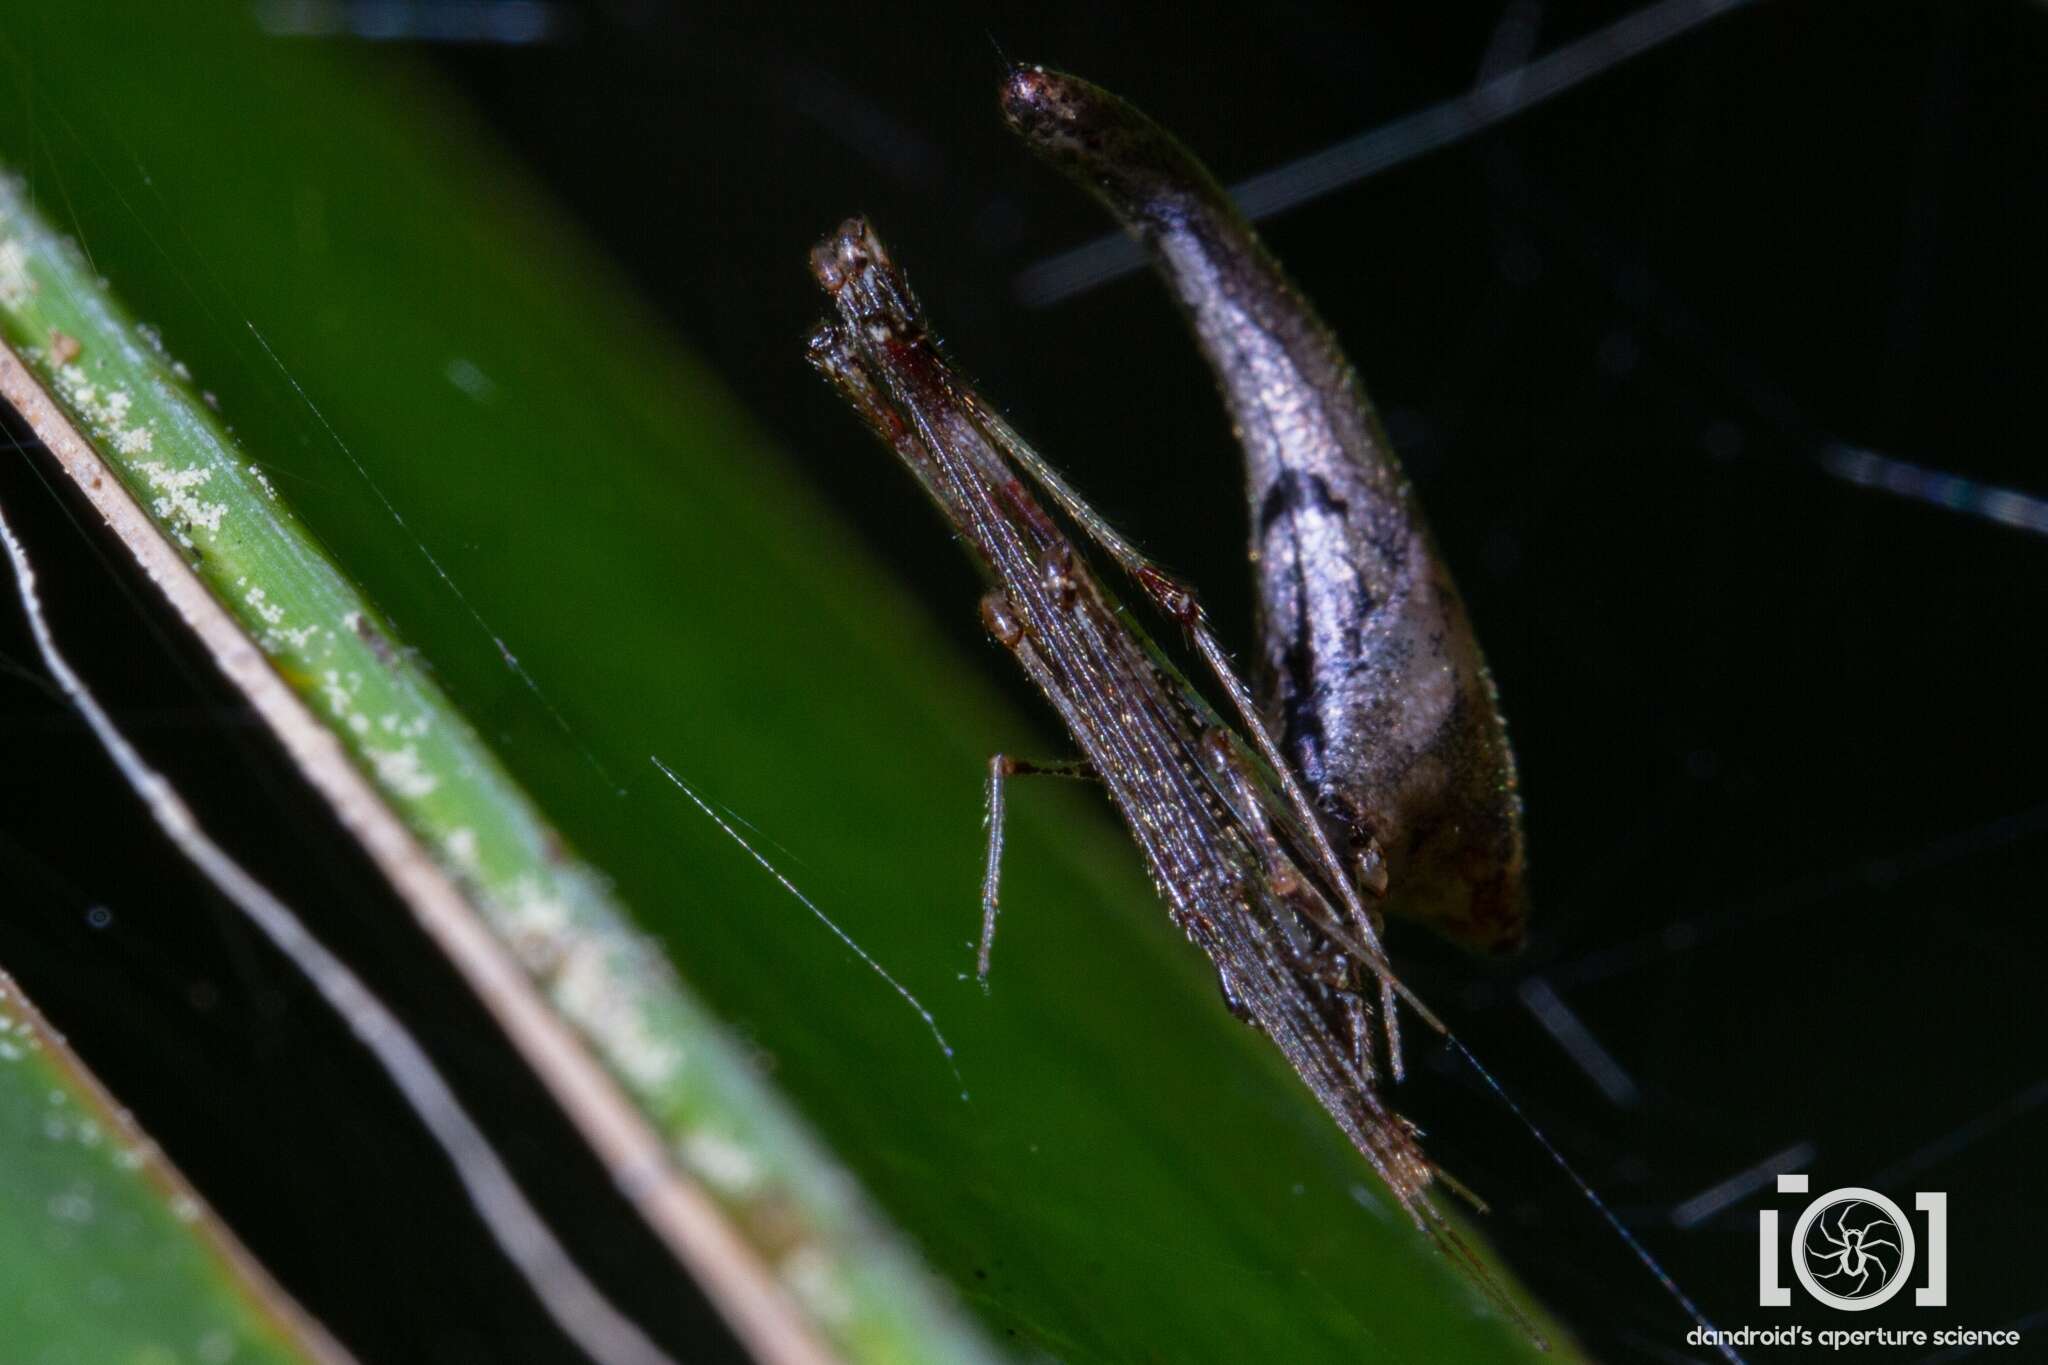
1853, 1248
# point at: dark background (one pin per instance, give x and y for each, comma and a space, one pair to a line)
1780, 733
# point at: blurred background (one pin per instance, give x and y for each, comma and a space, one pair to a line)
1708, 339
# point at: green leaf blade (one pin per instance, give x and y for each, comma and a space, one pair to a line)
1132, 1174
105, 1254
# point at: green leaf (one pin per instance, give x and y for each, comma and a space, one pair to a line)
577, 559
105, 1253
85, 374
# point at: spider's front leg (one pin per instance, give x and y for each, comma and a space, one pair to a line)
1001, 768
996, 614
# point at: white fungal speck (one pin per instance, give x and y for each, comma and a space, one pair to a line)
263, 482
72, 1206
340, 697
729, 1167
465, 375
400, 770
259, 602
588, 991
16, 284
460, 846
176, 498
276, 638
535, 922
810, 1274
107, 413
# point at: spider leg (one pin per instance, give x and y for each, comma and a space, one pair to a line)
1327, 964
1232, 999
1331, 968
1358, 1018
1002, 767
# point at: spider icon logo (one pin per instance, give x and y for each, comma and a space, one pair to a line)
1854, 1248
